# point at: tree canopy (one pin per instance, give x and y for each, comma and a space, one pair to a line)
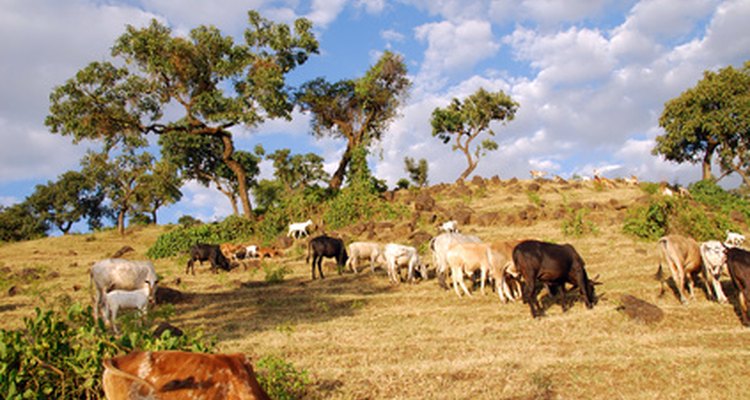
417, 170
462, 122
209, 83
710, 119
67, 200
358, 110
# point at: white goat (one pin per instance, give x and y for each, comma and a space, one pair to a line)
364, 250
125, 299
734, 239
449, 227
396, 256
297, 229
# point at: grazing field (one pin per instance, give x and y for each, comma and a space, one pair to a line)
360, 337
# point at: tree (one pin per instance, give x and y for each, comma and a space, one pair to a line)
120, 178
297, 171
357, 110
201, 158
68, 200
712, 118
464, 122
19, 222
159, 188
208, 83
417, 170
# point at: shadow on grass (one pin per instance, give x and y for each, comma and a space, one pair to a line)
258, 306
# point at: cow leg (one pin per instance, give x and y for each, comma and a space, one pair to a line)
320, 267
455, 276
312, 266
461, 282
484, 279
718, 291
529, 296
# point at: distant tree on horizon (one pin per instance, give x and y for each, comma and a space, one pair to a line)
463, 121
159, 188
202, 83
417, 170
358, 110
710, 119
19, 222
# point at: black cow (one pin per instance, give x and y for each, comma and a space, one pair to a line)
553, 265
738, 264
326, 246
207, 252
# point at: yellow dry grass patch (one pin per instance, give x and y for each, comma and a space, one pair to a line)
362, 338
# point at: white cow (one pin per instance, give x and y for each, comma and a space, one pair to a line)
440, 245
117, 273
125, 299
363, 251
297, 229
397, 256
449, 227
734, 239
714, 262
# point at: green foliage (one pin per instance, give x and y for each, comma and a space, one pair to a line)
417, 171
275, 273
402, 183
233, 228
576, 225
650, 187
280, 379
59, 354
19, 222
534, 198
188, 221
68, 200
709, 193
649, 222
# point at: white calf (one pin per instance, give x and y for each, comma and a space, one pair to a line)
714, 262
734, 239
116, 273
396, 256
469, 257
297, 229
124, 299
449, 227
362, 251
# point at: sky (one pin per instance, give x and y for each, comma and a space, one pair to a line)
591, 78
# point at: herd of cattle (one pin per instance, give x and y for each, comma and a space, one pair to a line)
515, 269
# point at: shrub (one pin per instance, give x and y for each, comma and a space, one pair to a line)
575, 225
648, 222
275, 273
59, 354
188, 220
280, 379
712, 195
181, 239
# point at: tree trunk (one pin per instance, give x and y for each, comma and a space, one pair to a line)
706, 164
472, 163
338, 177
153, 217
65, 227
121, 221
468, 170
239, 172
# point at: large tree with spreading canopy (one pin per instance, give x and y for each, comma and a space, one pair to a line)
201, 84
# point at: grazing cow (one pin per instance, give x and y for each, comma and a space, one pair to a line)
297, 229
449, 226
207, 252
269, 252
173, 375
397, 256
364, 251
553, 265
229, 250
468, 258
734, 239
117, 273
683, 256
439, 245
714, 262
326, 246
738, 264
510, 284
122, 299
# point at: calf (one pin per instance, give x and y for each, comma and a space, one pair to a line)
683, 256
116, 273
364, 251
439, 245
449, 227
397, 256
207, 252
554, 265
176, 375
229, 250
714, 262
738, 264
124, 299
326, 246
734, 239
468, 258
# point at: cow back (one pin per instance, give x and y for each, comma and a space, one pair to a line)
172, 375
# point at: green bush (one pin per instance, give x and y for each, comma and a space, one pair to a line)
181, 239
275, 273
280, 379
59, 354
649, 222
712, 195
576, 225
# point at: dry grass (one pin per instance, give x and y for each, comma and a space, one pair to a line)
362, 338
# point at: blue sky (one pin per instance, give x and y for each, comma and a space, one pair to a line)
591, 77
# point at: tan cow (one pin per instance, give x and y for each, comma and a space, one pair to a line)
509, 284
173, 375
467, 258
365, 251
683, 256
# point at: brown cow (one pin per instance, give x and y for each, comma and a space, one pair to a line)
172, 375
738, 264
683, 256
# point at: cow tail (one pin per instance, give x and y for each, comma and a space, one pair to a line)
108, 366
307, 257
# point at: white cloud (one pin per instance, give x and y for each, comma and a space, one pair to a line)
392, 35
371, 6
325, 11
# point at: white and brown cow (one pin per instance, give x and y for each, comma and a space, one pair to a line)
173, 375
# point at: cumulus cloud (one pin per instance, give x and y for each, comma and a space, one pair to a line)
323, 12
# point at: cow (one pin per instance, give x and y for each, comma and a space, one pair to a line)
554, 265
439, 245
230, 250
734, 239
738, 265
449, 226
326, 246
121, 299
173, 375
468, 258
714, 262
509, 286
207, 252
364, 251
683, 256
397, 256
118, 273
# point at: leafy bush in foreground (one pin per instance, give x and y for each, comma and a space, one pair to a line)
280, 379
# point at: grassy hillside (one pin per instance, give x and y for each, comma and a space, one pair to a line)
361, 337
